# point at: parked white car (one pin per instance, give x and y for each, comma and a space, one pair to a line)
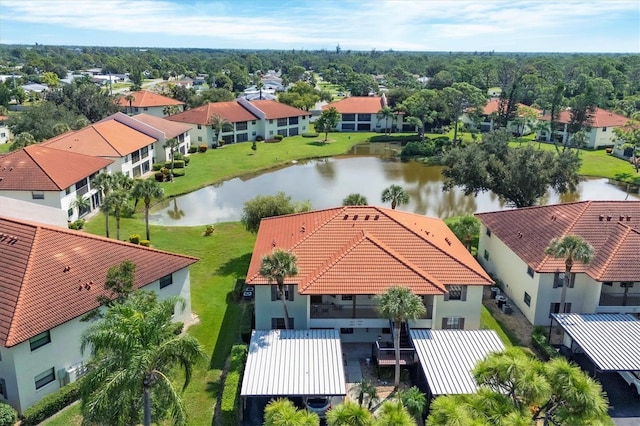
633, 380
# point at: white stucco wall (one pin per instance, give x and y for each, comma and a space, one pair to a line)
468, 309
5, 134
265, 308
20, 365
51, 198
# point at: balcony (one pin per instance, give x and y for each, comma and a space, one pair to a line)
82, 190
620, 299
335, 310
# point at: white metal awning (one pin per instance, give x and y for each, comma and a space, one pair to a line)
294, 363
611, 341
448, 356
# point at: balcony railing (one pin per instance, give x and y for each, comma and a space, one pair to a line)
82, 190
335, 310
618, 299
387, 355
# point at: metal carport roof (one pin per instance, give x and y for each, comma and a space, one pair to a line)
611, 341
294, 363
448, 356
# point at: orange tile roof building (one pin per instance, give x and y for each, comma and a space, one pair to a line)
361, 113
512, 245
487, 120
50, 278
51, 177
348, 255
599, 134
247, 121
148, 102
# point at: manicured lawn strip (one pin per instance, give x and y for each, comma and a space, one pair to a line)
70, 416
488, 322
4, 147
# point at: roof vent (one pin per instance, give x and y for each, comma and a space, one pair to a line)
366, 217
273, 243
601, 218
426, 232
447, 240
621, 217
608, 218
355, 217
553, 218
303, 229
628, 218
346, 216
376, 217
66, 269
520, 235
11, 168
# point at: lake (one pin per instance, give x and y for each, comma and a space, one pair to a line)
367, 170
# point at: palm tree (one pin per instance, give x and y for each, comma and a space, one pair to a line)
366, 388
103, 182
466, 229
393, 413
571, 248
218, 123
396, 194
116, 201
130, 98
348, 413
134, 349
147, 190
80, 203
399, 304
282, 412
170, 110
414, 400
278, 266
386, 113
172, 144
355, 199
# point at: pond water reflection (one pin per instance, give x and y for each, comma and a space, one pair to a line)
367, 170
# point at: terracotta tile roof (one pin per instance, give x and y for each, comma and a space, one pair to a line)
231, 110
144, 98
357, 105
107, 138
600, 118
171, 129
41, 168
609, 226
45, 269
366, 249
274, 109
493, 106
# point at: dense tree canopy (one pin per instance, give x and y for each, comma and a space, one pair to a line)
263, 206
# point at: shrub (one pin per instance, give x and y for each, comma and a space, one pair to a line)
278, 137
178, 155
259, 138
208, 230
193, 149
178, 172
77, 225
51, 404
310, 135
230, 405
186, 160
157, 167
145, 243
202, 148
246, 322
539, 342
134, 238
159, 176
403, 139
418, 149
177, 164
8, 415
127, 211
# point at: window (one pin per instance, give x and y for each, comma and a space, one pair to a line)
3, 389
242, 125
283, 132
199, 126
199, 138
40, 340
293, 132
270, 121
135, 156
228, 139
347, 297
145, 109
608, 283
69, 212
136, 171
293, 120
348, 117
67, 190
316, 299
243, 137
527, 299
486, 255
278, 323
45, 378
253, 122
604, 129
253, 133
146, 167
558, 280
166, 280
488, 232
456, 292
144, 152
555, 308
364, 117
275, 293
37, 195
455, 323
348, 126
346, 331
530, 271
271, 132
282, 122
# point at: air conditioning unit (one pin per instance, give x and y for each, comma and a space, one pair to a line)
72, 374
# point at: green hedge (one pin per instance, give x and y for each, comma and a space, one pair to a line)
310, 135
157, 167
230, 405
177, 164
51, 404
278, 137
539, 342
246, 322
193, 149
8, 415
77, 225
178, 172
403, 139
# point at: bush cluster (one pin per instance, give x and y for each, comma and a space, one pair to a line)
230, 405
134, 238
310, 135
539, 341
278, 137
145, 243
77, 225
177, 164
208, 230
8, 415
246, 322
259, 138
51, 404
202, 148
403, 139
193, 149
178, 172
157, 167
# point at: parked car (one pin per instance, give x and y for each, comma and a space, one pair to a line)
318, 404
247, 294
633, 380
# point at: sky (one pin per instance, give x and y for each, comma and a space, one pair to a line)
401, 25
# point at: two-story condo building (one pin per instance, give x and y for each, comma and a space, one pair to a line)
247, 120
512, 248
50, 278
361, 113
486, 120
51, 177
347, 255
600, 133
147, 102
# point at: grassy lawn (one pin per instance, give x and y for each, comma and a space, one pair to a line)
488, 322
4, 147
224, 256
